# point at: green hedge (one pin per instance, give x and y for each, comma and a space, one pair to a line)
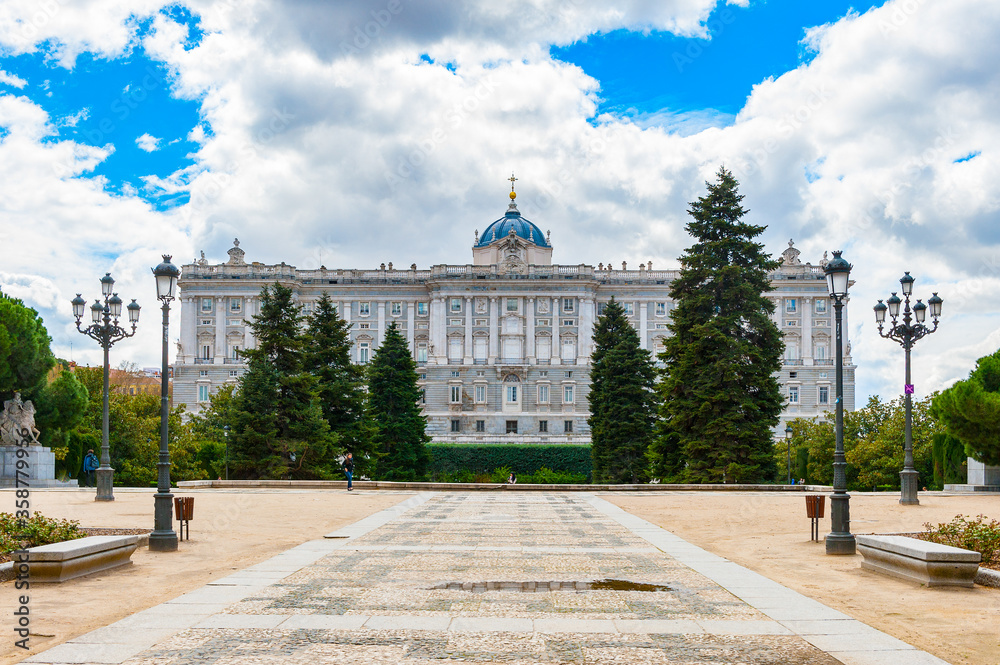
521, 459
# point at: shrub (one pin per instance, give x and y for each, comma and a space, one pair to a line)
34, 531
976, 534
524, 460
546, 476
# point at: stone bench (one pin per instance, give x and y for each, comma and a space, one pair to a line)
919, 560
63, 561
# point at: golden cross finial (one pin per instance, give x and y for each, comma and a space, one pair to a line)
512, 179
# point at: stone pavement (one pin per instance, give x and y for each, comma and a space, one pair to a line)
517, 578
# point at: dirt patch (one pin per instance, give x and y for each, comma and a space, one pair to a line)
231, 530
769, 533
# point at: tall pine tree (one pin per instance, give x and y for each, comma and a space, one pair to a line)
719, 395
280, 427
622, 401
340, 384
394, 399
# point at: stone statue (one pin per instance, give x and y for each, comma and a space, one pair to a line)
17, 418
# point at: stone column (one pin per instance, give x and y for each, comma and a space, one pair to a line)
220, 330
411, 310
189, 326
467, 354
380, 335
588, 308
437, 327
529, 330
643, 323
807, 330
556, 332
494, 323
345, 311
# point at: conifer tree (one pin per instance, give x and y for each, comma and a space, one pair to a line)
622, 401
340, 384
394, 399
719, 398
280, 425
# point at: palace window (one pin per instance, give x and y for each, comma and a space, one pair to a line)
203, 372
568, 305
568, 426
234, 373
661, 309
568, 394
421, 353
207, 305
629, 308
480, 394
236, 305
456, 394
456, 425
824, 395
793, 394
543, 426
480, 426
396, 309
821, 306
421, 309
364, 308
456, 304
203, 393
363, 352
512, 304
790, 305
543, 394
511, 427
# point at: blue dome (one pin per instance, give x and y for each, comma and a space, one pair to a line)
522, 227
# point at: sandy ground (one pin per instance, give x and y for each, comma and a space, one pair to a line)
769, 533
766, 532
230, 531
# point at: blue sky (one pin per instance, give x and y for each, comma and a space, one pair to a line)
342, 134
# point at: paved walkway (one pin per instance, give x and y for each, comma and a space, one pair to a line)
480, 577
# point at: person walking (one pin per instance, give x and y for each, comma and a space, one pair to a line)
348, 467
90, 464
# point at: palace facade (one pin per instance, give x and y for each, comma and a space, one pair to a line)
503, 343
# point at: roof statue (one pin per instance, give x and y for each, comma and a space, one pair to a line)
236, 254
790, 257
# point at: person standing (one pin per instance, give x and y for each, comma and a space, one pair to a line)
348, 467
90, 464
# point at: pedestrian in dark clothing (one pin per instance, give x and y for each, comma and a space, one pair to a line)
348, 467
90, 464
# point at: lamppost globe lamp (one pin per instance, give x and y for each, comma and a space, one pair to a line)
106, 332
79, 305
935, 304
163, 538
906, 282
840, 540
880, 310
906, 333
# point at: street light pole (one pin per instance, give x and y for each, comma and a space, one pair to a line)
163, 538
840, 540
906, 334
105, 331
225, 431
788, 450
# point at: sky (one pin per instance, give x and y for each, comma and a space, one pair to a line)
354, 133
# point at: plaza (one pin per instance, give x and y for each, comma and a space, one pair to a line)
387, 587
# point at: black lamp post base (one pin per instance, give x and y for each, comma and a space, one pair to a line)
105, 483
841, 543
163, 541
909, 481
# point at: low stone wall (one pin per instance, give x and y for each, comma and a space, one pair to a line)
919, 560
517, 487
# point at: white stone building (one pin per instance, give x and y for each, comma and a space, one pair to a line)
503, 344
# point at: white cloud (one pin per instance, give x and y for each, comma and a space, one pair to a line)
312, 156
148, 143
13, 80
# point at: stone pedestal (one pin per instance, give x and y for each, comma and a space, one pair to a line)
982, 478
40, 469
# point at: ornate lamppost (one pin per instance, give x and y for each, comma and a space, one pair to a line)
163, 538
788, 450
907, 333
106, 332
840, 540
225, 432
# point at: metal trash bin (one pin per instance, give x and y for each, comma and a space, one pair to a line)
815, 509
184, 510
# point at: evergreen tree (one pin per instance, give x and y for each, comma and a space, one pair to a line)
970, 410
719, 397
622, 408
394, 400
279, 422
340, 384
25, 357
